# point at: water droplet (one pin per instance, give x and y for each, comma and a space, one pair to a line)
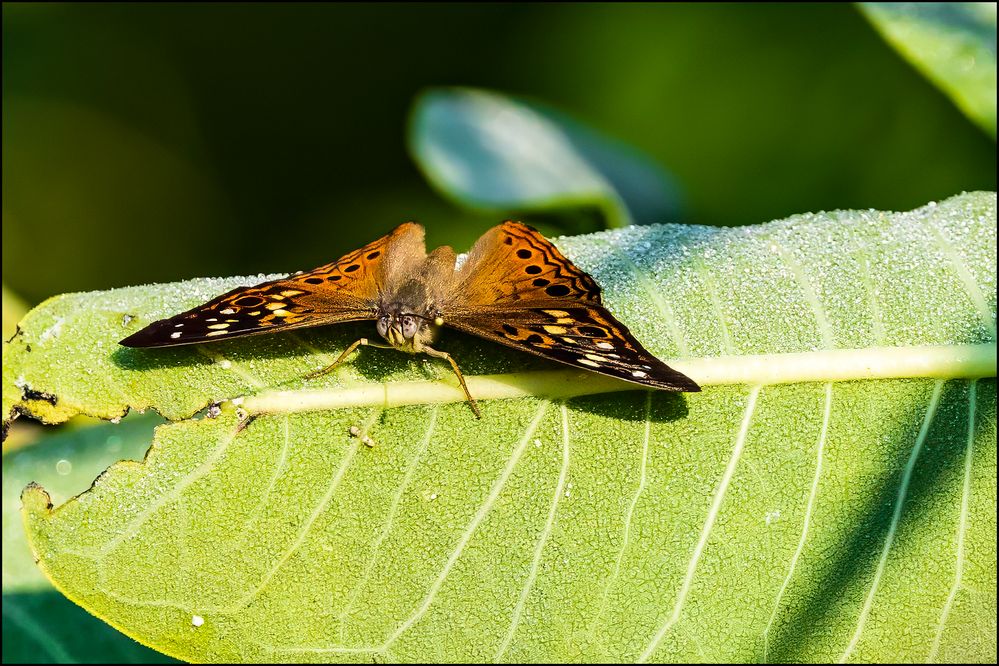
197, 620
64, 467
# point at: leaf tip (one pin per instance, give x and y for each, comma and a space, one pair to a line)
35, 499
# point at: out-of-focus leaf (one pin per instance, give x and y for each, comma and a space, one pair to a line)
40, 624
952, 43
493, 152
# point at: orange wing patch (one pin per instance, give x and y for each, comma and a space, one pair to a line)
345, 290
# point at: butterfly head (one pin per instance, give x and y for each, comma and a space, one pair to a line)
405, 329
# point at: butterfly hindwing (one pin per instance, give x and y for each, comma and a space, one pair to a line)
345, 290
587, 337
517, 289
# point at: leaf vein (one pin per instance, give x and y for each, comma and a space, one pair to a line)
709, 523
304, 531
628, 516
470, 529
668, 316
387, 528
962, 525
542, 540
903, 491
967, 279
809, 508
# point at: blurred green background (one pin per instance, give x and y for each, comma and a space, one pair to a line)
151, 143
148, 143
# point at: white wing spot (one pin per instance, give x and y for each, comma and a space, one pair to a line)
218, 326
639, 373
175, 335
605, 345
211, 333
586, 361
227, 311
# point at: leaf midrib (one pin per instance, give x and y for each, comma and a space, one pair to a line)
971, 361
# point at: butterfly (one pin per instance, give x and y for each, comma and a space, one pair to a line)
514, 288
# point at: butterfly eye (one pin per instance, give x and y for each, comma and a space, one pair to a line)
383, 326
409, 326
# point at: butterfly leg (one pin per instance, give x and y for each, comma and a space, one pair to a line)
363, 342
457, 371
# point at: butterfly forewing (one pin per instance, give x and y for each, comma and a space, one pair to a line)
514, 264
517, 289
345, 290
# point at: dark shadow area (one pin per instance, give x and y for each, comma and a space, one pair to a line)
666, 405
861, 549
46, 627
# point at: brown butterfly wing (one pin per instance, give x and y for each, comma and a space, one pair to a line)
346, 290
517, 289
513, 264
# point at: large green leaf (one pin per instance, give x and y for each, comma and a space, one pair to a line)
952, 43
829, 495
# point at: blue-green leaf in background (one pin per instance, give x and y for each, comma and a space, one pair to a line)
952, 43
497, 153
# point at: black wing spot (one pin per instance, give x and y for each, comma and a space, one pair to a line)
333, 278
541, 282
509, 240
314, 280
524, 254
249, 301
533, 269
512, 330
534, 338
351, 268
374, 255
592, 331
557, 290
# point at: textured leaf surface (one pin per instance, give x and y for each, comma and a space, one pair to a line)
952, 43
494, 152
811, 521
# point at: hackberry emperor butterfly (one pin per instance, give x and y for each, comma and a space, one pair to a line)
515, 288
